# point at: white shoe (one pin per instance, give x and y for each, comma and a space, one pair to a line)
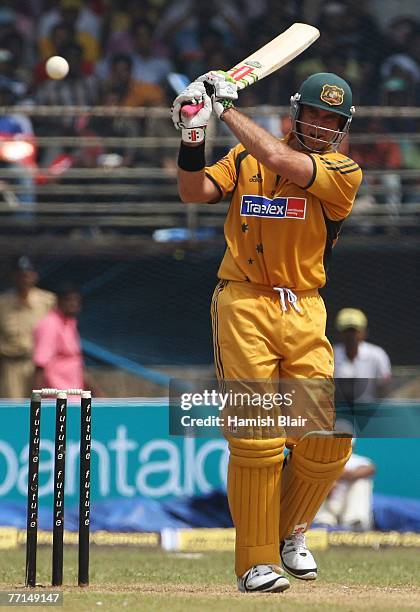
263, 579
297, 559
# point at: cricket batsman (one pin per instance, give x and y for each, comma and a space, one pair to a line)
288, 200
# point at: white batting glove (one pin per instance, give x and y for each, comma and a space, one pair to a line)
193, 127
224, 90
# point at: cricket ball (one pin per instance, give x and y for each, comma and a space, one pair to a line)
57, 67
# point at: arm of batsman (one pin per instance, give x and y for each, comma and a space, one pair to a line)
223, 88
195, 94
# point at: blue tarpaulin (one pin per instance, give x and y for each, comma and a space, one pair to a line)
211, 510
396, 513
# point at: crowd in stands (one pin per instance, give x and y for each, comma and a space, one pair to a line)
120, 52
140, 42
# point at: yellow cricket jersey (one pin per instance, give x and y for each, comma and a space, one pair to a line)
279, 234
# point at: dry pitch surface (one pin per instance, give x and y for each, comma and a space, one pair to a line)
150, 580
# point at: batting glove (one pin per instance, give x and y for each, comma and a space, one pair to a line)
224, 90
193, 126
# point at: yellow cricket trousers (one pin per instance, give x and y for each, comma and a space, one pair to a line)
263, 333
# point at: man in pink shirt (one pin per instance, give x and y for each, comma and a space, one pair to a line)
57, 350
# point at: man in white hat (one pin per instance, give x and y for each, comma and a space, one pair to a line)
357, 359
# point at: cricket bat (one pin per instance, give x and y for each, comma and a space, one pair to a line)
272, 56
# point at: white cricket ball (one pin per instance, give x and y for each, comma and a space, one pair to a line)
57, 67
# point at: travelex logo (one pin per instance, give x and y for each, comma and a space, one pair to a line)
277, 208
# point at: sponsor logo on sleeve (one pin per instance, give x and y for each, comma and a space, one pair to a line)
276, 208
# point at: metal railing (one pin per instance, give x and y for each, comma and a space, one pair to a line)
144, 194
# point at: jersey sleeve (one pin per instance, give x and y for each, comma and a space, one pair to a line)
224, 172
335, 182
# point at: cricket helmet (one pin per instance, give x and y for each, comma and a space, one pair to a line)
327, 91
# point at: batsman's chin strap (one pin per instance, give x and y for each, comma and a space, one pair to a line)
291, 298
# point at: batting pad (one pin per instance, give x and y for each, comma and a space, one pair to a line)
253, 484
313, 466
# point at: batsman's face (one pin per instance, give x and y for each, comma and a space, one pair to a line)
318, 127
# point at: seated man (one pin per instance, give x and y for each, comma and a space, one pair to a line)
349, 503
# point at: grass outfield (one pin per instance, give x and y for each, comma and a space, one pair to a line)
151, 580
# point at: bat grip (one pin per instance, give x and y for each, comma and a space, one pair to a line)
190, 110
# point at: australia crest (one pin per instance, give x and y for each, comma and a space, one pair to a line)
332, 95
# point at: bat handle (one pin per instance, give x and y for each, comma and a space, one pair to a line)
189, 110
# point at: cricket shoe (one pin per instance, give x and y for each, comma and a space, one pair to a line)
263, 579
297, 559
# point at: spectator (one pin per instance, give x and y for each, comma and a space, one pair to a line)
84, 21
354, 358
383, 154
400, 71
213, 53
355, 29
12, 125
186, 22
333, 18
400, 80
16, 19
16, 35
273, 19
349, 503
414, 53
75, 89
146, 65
410, 151
17, 154
112, 156
398, 34
20, 310
57, 349
62, 35
9, 76
351, 37
7, 23
313, 60
342, 62
22, 57
277, 17
132, 92
117, 33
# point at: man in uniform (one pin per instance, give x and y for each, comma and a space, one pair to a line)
288, 200
20, 310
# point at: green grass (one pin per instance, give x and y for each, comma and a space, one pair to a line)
137, 579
